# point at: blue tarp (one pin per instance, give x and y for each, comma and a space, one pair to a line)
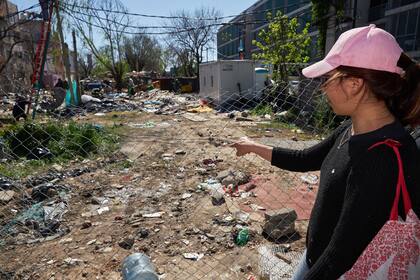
68, 96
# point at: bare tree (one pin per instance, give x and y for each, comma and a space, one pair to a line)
194, 31
143, 53
180, 59
9, 39
86, 67
112, 27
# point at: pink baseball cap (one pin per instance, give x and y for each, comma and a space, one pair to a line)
364, 47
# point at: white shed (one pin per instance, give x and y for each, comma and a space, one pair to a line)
227, 80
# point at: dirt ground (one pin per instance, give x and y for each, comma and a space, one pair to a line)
158, 169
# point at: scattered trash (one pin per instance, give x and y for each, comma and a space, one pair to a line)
231, 189
103, 210
225, 221
180, 152
250, 187
5, 184
274, 268
243, 237
211, 162
149, 124
6, 275
91, 242
193, 256
233, 177
66, 240
86, 224
138, 266
106, 250
143, 233
186, 195
256, 207
217, 197
200, 109
298, 131
153, 215
201, 171
100, 114
46, 190
6, 196
54, 212
99, 200
309, 179
210, 185
72, 262
88, 98
36, 224
241, 217
279, 223
40, 153
167, 157
127, 243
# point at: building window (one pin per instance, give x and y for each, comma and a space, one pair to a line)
406, 2
412, 21
211, 80
402, 23
279, 5
404, 27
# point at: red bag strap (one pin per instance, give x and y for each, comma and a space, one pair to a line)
401, 185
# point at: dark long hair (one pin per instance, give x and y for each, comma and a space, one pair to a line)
401, 93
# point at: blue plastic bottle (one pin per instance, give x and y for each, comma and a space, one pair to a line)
138, 267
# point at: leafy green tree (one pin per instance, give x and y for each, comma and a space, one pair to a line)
282, 44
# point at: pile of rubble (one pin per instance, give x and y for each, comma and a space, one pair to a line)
37, 204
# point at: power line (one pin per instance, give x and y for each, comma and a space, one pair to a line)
137, 14
116, 22
182, 17
162, 27
134, 33
22, 11
244, 22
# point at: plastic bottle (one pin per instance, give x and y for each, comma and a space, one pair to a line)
243, 237
138, 267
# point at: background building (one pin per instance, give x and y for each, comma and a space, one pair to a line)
402, 19
399, 17
238, 33
24, 33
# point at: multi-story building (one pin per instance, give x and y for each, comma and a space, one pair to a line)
24, 33
237, 35
10, 47
402, 19
399, 17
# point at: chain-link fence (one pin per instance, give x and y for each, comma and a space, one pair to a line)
81, 188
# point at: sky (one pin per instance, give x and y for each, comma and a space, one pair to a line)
166, 7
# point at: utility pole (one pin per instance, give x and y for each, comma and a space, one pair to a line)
64, 52
76, 66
